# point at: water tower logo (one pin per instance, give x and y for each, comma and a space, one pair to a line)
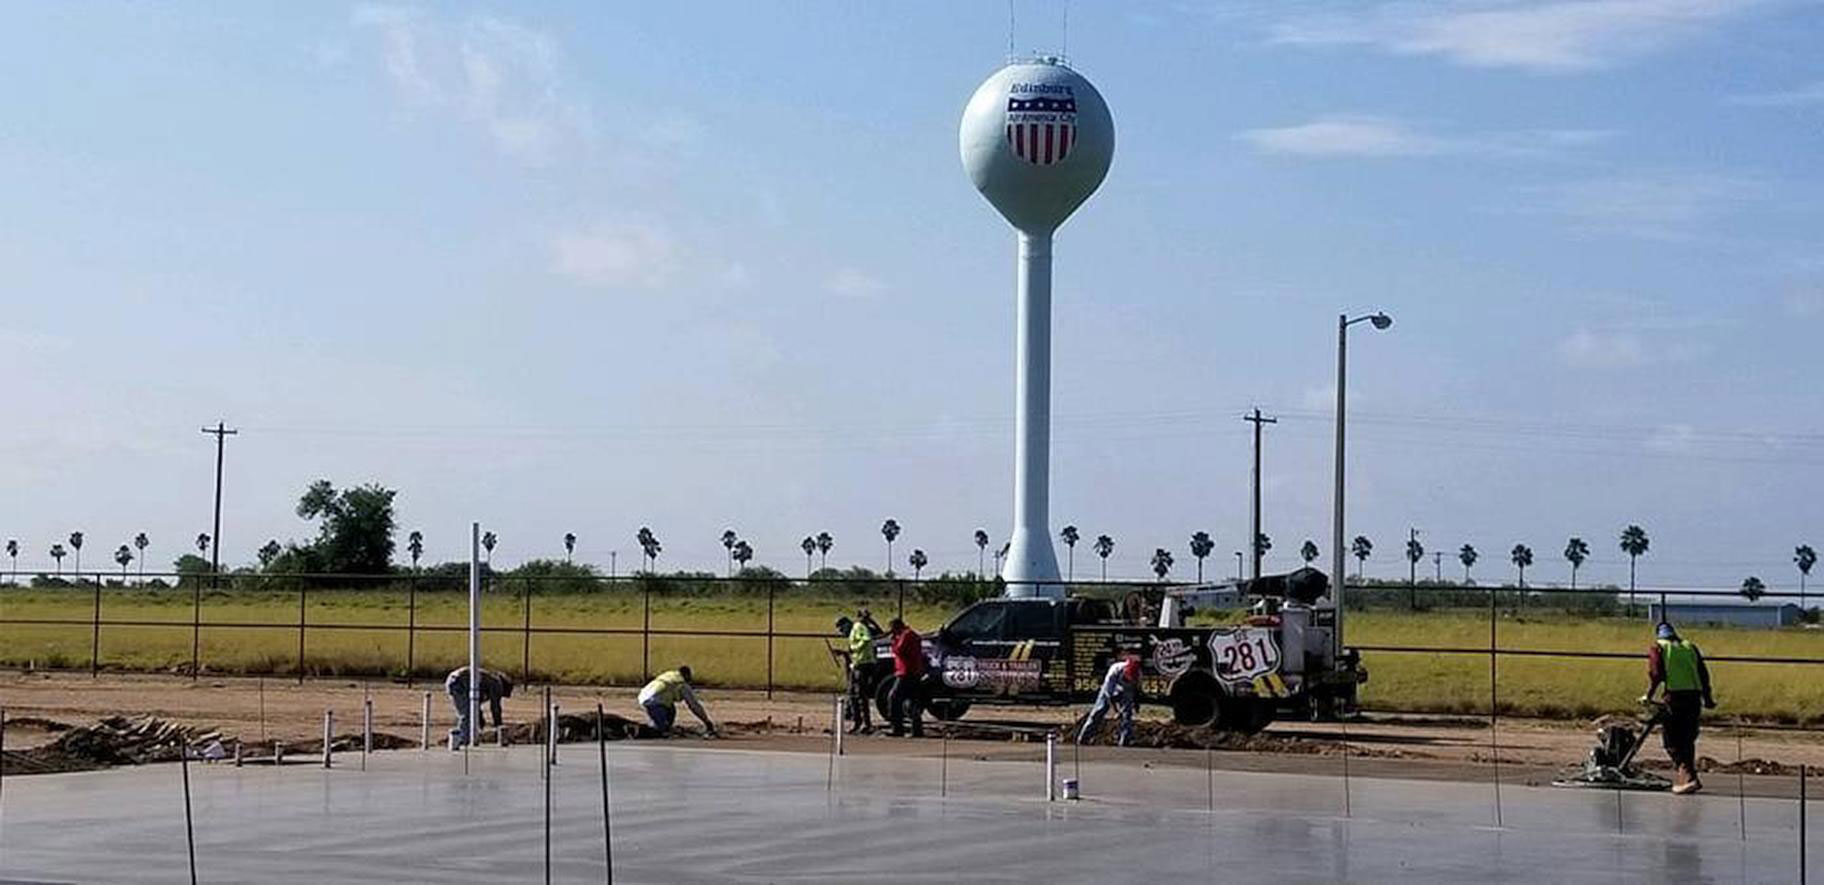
1040, 127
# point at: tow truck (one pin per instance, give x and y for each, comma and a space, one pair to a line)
1279, 662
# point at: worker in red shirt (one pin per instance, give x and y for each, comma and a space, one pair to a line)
908, 695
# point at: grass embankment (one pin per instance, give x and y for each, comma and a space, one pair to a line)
1446, 683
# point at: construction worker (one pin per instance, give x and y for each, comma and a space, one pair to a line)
859, 651
907, 697
1120, 689
1679, 666
494, 686
660, 699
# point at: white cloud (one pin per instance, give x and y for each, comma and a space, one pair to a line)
1587, 349
616, 255
503, 77
1371, 136
1661, 206
1809, 94
1558, 36
851, 283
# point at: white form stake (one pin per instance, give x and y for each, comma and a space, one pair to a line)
367, 728
1051, 766
424, 738
473, 738
836, 725
551, 736
329, 726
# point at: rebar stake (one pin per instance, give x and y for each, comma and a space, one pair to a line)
1051, 766
329, 726
424, 738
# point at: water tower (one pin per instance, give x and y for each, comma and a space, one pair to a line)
1036, 139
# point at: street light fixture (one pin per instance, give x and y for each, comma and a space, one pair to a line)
1380, 321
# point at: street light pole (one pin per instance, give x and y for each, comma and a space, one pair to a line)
1343, 322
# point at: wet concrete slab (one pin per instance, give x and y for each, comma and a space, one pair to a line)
690, 812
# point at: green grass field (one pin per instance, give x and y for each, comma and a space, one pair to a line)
159, 639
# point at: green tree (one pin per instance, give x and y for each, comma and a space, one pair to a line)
1162, 562
1361, 548
742, 553
1521, 557
1201, 546
1308, 552
1804, 557
569, 545
202, 543
1752, 589
12, 552
728, 544
981, 551
889, 530
809, 546
650, 548
488, 540
76, 545
1468, 556
1576, 552
355, 527
268, 553
141, 542
1262, 544
824, 544
918, 561
1634, 543
1070, 536
414, 544
58, 553
1104, 546
190, 568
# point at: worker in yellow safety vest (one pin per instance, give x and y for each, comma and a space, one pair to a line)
863, 669
660, 698
1678, 665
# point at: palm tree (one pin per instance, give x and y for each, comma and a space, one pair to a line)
981, 550
1521, 557
824, 543
1201, 546
1104, 546
1576, 551
1752, 590
488, 540
728, 543
1262, 544
1308, 552
1415, 551
57, 553
1162, 562
141, 542
1804, 557
649, 547
918, 562
742, 553
269, 552
202, 543
889, 530
569, 546
1361, 548
1468, 556
76, 544
124, 556
1000, 555
809, 546
1634, 543
1070, 536
414, 544
12, 551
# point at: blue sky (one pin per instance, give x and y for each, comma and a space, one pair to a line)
583, 267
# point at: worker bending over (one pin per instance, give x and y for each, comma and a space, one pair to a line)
494, 686
660, 697
908, 695
859, 635
1120, 689
1679, 666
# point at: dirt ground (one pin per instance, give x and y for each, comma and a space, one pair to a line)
259, 710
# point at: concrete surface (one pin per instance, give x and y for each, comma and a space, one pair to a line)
689, 812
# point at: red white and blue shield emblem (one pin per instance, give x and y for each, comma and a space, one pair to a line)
1041, 128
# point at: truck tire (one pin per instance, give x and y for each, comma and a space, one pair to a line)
946, 709
1194, 699
883, 694
1243, 715
949, 709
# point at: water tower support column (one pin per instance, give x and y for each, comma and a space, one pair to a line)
1031, 562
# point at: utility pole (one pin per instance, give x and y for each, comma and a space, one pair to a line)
1254, 532
221, 433
1437, 561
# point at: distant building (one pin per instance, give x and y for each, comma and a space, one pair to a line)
1729, 614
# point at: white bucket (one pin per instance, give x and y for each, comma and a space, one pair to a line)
1070, 789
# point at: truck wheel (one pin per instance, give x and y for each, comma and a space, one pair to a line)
949, 709
1194, 699
883, 694
1243, 715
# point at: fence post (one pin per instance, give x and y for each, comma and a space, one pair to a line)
525, 642
411, 623
302, 590
769, 640
95, 638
